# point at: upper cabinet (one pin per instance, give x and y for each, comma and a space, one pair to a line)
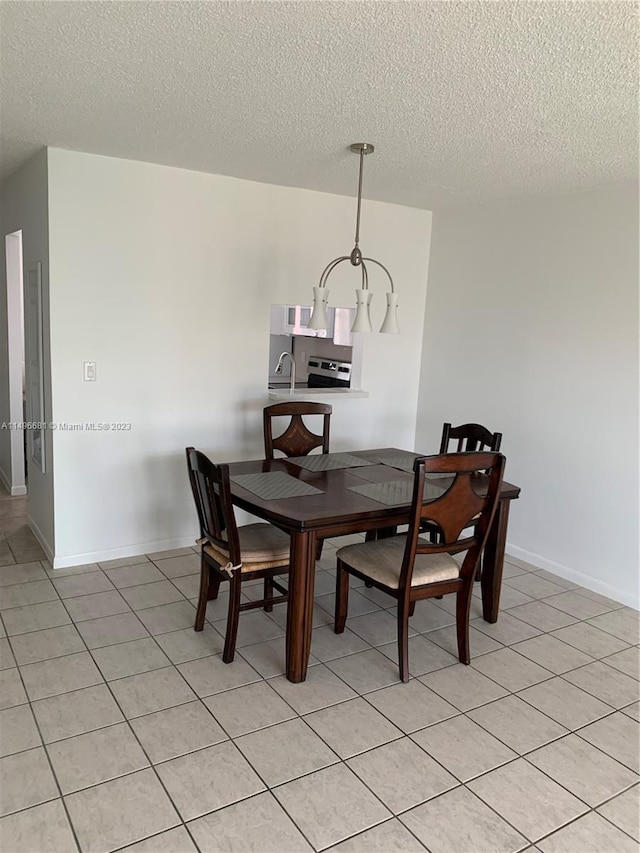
294, 320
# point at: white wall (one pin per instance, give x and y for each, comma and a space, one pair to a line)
532, 329
164, 277
23, 206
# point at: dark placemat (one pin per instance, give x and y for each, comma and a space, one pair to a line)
396, 492
275, 485
329, 461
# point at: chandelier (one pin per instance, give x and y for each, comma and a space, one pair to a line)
362, 322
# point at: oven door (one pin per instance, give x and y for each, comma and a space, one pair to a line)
317, 381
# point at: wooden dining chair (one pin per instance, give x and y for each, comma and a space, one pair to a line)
296, 439
232, 553
410, 568
470, 437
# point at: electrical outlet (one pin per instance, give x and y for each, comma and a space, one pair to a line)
89, 371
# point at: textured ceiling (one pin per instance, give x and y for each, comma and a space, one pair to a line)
465, 101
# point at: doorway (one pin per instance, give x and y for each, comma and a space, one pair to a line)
16, 367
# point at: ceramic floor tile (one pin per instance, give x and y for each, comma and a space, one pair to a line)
463, 747
624, 811
589, 834
11, 689
77, 712
590, 640
21, 573
186, 644
18, 730
88, 759
320, 689
230, 830
511, 670
95, 606
151, 595
627, 661
352, 727
151, 691
330, 805
123, 561
208, 676
175, 840
459, 822
582, 769
541, 615
189, 586
384, 838
424, 656
285, 751
168, 617
177, 731
576, 604
267, 658
605, 683
565, 703
177, 567
359, 605
134, 575
25, 780
401, 774
411, 706
611, 603
506, 630
619, 624
84, 584
479, 643
429, 617
510, 597
517, 724
247, 709
632, 711
24, 594
552, 654
35, 617
531, 802
141, 805
208, 779
60, 675
40, 828
534, 585
173, 552
556, 579
109, 630
463, 686
254, 627
7, 661
130, 658
617, 735
43, 645
327, 645
366, 671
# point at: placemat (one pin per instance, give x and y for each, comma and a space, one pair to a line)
329, 461
401, 459
274, 485
396, 492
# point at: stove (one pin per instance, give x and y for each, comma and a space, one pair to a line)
323, 373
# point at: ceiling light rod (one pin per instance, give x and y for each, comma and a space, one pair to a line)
362, 322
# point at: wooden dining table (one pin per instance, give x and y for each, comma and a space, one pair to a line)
339, 505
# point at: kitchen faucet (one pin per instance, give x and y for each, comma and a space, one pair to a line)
293, 369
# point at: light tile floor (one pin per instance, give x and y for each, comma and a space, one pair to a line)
121, 729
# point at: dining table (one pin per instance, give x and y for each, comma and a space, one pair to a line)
334, 494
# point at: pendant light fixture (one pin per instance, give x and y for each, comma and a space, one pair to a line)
362, 322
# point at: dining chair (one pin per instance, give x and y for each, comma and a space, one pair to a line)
296, 439
470, 437
410, 568
232, 553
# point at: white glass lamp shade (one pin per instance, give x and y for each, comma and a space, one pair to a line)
362, 322
390, 322
319, 319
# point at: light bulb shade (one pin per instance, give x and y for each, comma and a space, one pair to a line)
362, 322
319, 319
390, 322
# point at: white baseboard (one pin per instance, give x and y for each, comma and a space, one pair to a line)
68, 561
14, 491
629, 597
44, 544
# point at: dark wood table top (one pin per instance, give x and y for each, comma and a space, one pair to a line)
336, 509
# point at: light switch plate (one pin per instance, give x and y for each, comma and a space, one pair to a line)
89, 371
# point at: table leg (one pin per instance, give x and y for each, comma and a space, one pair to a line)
300, 605
492, 562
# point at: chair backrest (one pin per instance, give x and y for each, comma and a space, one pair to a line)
466, 498
212, 496
470, 437
297, 439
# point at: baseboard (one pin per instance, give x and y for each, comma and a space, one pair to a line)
624, 596
44, 544
16, 491
68, 561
